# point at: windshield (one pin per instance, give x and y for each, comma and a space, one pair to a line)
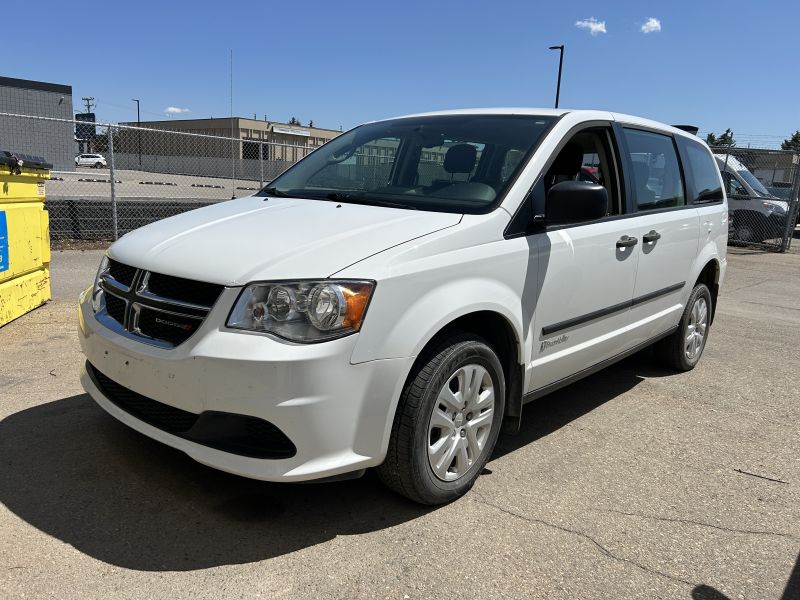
754, 183
448, 163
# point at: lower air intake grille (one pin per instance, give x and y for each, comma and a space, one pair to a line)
165, 417
229, 432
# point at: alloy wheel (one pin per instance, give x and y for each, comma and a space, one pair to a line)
745, 233
696, 329
461, 422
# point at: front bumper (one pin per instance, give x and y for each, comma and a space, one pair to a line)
777, 225
337, 415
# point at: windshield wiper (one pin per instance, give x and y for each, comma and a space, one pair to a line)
360, 199
273, 191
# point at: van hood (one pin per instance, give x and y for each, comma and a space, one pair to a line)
261, 238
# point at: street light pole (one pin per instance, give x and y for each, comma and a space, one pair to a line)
139, 133
560, 66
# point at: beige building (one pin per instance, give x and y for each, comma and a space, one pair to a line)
265, 140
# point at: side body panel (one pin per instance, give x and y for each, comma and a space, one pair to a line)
665, 267
580, 313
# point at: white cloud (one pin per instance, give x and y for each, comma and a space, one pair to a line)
174, 110
593, 25
651, 25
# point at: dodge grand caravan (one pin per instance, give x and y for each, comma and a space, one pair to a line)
399, 295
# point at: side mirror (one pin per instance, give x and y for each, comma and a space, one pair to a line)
575, 202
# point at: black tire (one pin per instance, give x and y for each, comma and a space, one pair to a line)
407, 469
745, 233
671, 351
98, 165
750, 227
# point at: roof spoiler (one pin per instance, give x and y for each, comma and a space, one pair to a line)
688, 128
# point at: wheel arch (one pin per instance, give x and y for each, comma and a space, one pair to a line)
710, 275
502, 336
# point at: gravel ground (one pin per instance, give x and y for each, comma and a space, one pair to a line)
634, 483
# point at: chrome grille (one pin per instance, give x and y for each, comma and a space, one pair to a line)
157, 309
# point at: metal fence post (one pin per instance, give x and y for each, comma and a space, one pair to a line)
233, 157
794, 204
261, 164
113, 182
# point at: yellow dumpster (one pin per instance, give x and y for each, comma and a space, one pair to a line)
24, 235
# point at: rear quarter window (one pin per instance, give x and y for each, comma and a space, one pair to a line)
704, 172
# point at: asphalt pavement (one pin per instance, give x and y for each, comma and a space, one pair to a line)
634, 483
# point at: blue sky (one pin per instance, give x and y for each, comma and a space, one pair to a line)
714, 64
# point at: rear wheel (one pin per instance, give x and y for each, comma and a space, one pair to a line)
683, 349
447, 422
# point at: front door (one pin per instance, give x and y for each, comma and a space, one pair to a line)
586, 272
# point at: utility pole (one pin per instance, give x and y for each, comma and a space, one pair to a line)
233, 146
89, 106
89, 103
139, 133
560, 66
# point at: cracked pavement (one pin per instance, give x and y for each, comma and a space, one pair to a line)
634, 483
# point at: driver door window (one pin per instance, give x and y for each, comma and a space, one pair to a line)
732, 185
587, 157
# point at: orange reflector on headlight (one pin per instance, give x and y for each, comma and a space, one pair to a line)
356, 297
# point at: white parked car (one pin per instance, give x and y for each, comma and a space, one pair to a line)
397, 296
97, 161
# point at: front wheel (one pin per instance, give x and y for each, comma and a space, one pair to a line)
750, 227
682, 350
447, 422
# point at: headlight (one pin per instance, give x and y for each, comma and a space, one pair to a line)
305, 311
774, 207
97, 292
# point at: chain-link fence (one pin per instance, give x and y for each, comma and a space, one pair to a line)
125, 176
762, 187
110, 179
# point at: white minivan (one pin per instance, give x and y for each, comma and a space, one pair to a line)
399, 295
756, 214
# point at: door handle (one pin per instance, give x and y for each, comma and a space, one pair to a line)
626, 241
651, 237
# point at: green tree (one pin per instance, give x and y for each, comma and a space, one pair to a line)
793, 143
311, 123
726, 139
294, 121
